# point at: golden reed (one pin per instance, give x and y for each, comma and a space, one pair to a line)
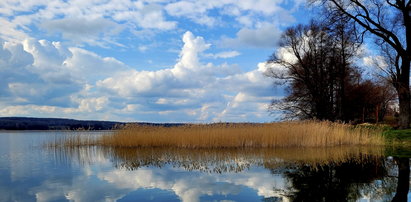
221, 135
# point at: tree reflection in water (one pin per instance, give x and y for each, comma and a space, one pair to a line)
403, 179
334, 182
326, 174
351, 180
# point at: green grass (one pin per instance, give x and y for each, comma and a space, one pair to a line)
398, 151
398, 137
399, 142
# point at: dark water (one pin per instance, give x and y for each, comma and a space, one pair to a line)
31, 172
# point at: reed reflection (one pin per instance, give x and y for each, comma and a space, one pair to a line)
217, 160
318, 174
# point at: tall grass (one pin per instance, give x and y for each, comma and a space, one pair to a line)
270, 135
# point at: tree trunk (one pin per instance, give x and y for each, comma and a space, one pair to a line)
376, 113
404, 95
404, 77
404, 104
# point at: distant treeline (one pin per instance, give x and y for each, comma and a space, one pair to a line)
26, 123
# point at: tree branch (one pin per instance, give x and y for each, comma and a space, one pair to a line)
378, 31
392, 4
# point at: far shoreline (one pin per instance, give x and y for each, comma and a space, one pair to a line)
65, 124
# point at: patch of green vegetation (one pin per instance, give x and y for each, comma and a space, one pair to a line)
398, 136
398, 151
383, 127
399, 142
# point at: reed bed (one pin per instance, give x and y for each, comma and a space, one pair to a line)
269, 135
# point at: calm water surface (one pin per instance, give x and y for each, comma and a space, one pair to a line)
31, 172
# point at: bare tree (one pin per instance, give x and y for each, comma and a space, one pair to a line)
367, 100
389, 23
318, 75
322, 81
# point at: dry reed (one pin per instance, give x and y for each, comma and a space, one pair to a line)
269, 135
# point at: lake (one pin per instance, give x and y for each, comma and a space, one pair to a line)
31, 171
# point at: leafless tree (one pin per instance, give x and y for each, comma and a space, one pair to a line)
323, 82
317, 76
389, 23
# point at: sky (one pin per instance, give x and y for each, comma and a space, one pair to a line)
142, 60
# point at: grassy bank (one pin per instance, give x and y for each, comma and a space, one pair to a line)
398, 137
270, 135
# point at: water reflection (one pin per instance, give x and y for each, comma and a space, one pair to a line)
29, 172
403, 184
327, 174
218, 160
345, 181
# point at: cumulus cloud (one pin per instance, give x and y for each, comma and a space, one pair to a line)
41, 78
14, 56
198, 90
14, 62
44, 78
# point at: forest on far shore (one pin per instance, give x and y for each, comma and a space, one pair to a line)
28, 123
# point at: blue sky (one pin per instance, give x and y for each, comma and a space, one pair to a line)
142, 60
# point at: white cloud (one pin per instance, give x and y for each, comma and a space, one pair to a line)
102, 23
40, 78
142, 48
286, 54
90, 66
267, 7
229, 7
91, 22
194, 10
101, 177
92, 104
226, 54
145, 16
83, 30
10, 32
245, 12
189, 188
189, 53
14, 56
191, 86
264, 35
74, 82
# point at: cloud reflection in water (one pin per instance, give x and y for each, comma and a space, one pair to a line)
193, 174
